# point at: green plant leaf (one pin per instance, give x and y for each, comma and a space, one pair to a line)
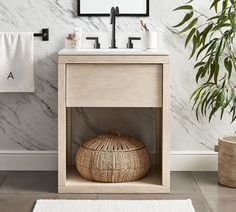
212, 46
199, 89
189, 2
205, 32
216, 72
218, 50
199, 73
184, 7
213, 17
199, 64
190, 35
228, 65
186, 18
232, 1
224, 4
201, 50
214, 110
211, 72
204, 103
190, 25
196, 39
215, 5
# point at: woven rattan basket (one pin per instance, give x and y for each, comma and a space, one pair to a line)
112, 158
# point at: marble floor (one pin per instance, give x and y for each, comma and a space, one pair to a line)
20, 190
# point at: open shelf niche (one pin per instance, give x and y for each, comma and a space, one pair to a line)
151, 183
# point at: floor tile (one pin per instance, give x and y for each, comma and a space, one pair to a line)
201, 187
182, 182
30, 182
25, 202
219, 198
3, 176
208, 183
19, 204
221, 203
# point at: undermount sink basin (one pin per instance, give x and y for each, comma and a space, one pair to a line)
111, 51
107, 51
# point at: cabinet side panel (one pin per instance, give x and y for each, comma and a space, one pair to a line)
166, 126
61, 125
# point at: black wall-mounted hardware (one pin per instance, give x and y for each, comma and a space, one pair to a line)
96, 44
44, 34
130, 45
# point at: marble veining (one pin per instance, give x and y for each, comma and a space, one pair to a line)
138, 122
29, 121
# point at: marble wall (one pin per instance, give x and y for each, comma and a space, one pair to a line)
29, 121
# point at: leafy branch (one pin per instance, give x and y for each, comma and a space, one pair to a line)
212, 48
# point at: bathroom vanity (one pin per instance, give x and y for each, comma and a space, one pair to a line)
114, 78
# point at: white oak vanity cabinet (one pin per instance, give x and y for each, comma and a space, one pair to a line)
137, 79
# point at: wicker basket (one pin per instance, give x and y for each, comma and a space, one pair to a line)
112, 158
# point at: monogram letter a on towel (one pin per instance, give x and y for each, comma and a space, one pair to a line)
16, 62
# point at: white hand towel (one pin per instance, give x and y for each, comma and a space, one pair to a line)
16, 62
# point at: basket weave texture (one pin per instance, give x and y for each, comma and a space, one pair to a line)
112, 158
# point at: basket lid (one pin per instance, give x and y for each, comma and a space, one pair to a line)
113, 142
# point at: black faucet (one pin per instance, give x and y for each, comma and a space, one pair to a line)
114, 12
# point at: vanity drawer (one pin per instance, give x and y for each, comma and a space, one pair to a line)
113, 85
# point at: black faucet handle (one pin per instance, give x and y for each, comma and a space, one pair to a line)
117, 10
96, 44
130, 45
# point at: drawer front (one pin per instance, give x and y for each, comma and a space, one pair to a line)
113, 85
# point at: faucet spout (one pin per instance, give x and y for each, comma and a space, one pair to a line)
113, 14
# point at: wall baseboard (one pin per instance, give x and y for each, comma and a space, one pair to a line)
28, 160
47, 160
194, 161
